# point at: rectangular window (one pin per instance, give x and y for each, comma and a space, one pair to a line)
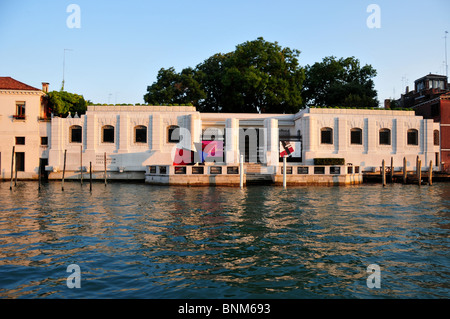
326, 136
335, 170
198, 170
108, 134
288, 170
20, 111
233, 170
20, 140
437, 159
319, 170
44, 140
180, 170
413, 138
356, 169
385, 137
20, 161
215, 170
436, 137
152, 169
163, 170
75, 134
173, 134
350, 170
140, 134
356, 136
302, 170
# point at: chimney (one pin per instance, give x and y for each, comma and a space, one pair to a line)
45, 87
407, 89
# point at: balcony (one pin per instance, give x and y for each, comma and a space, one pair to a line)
19, 117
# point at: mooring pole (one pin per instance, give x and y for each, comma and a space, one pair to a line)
241, 171
15, 173
64, 170
383, 173
81, 165
12, 166
392, 169
40, 172
417, 165
90, 176
419, 172
40, 168
105, 170
284, 171
405, 172
430, 174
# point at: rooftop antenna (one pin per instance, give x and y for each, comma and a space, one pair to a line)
64, 67
446, 62
404, 82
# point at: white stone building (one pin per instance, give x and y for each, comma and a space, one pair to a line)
144, 142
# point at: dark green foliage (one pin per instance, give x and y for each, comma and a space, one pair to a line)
61, 103
259, 76
340, 82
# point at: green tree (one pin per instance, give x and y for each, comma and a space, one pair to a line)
263, 77
259, 76
174, 88
340, 82
62, 102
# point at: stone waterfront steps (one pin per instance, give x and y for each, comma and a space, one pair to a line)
257, 173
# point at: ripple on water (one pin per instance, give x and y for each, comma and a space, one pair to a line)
140, 241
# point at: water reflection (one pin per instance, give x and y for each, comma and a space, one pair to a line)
140, 241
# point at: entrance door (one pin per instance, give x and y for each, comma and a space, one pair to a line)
42, 163
20, 161
251, 144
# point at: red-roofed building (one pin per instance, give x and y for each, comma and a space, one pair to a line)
8, 83
22, 110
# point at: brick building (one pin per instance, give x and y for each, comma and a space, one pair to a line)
431, 99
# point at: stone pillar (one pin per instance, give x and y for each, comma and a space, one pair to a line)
124, 132
342, 135
55, 152
157, 132
272, 153
196, 128
401, 137
372, 136
232, 141
91, 132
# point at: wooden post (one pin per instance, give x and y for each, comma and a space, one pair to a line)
64, 170
105, 170
241, 171
81, 165
12, 166
90, 176
40, 171
419, 171
392, 169
430, 174
405, 172
284, 171
417, 164
383, 173
15, 174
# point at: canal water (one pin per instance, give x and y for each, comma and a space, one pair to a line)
141, 241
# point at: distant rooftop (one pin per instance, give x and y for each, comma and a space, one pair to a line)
8, 83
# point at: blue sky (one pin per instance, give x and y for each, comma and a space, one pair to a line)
121, 45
